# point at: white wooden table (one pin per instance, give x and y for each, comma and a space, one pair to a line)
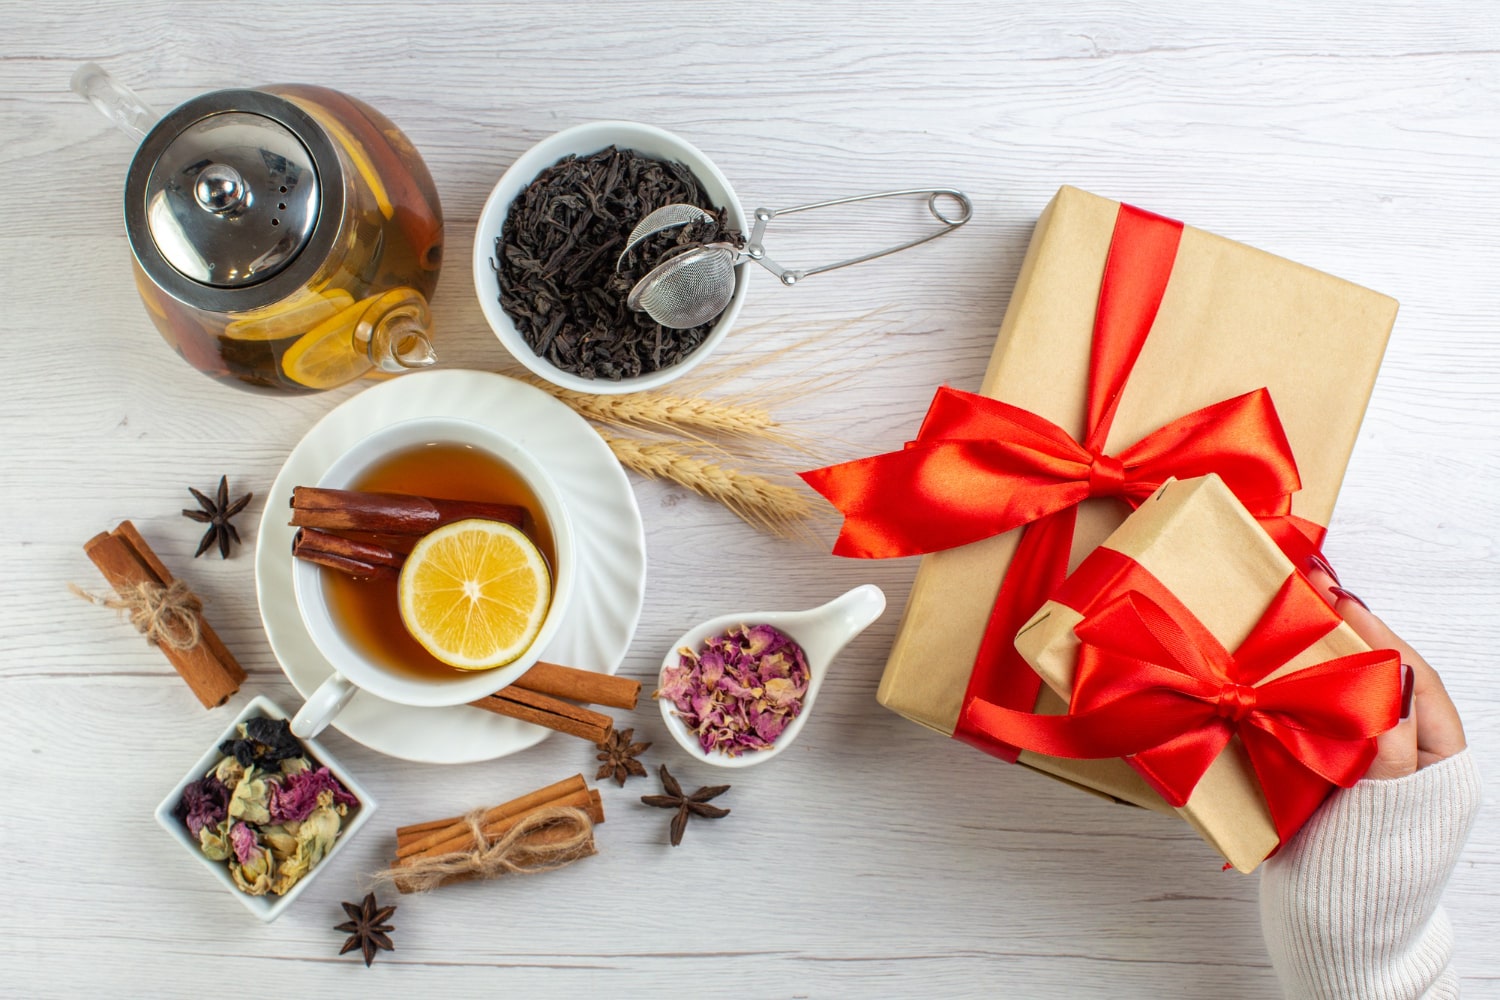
876, 858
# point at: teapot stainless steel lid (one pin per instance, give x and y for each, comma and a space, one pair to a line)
234, 200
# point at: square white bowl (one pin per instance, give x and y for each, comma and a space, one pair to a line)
266, 907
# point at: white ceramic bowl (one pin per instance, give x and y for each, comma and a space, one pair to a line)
266, 907
822, 632
353, 664
583, 140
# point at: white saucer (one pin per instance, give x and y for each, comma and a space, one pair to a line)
611, 543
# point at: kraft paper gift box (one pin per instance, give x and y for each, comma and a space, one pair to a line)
1199, 543
1231, 319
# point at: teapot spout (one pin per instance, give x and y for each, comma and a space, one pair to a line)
408, 347
395, 329
115, 101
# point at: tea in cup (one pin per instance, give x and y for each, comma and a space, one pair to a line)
361, 624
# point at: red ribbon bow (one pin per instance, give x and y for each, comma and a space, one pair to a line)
980, 467
1153, 685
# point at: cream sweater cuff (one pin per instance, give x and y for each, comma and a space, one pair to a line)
1350, 907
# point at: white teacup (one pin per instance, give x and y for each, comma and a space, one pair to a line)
353, 669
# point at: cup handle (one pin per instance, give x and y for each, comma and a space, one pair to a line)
326, 702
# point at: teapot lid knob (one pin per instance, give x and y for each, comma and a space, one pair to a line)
220, 189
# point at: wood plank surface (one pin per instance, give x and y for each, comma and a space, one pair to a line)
874, 858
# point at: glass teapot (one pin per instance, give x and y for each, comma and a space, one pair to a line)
287, 237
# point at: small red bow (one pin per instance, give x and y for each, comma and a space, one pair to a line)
1153, 685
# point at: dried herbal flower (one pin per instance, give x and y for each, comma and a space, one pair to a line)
740, 690
213, 841
204, 803
367, 928
618, 755
217, 514
250, 799
263, 741
695, 804
250, 867
299, 793
312, 841
244, 842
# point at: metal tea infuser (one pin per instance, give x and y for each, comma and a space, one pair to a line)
692, 284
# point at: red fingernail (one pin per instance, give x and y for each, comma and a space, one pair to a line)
1319, 562
1341, 592
1408, 688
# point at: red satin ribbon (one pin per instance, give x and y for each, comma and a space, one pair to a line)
980, 467
1154, 686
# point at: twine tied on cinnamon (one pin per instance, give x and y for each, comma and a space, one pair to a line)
543, 841
168, 616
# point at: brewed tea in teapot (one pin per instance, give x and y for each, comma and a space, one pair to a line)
287, 237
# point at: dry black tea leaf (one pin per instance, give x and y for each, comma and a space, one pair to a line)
555, 262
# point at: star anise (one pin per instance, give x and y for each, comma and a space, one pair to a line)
216, 515
618, 755
695, 804
367, 927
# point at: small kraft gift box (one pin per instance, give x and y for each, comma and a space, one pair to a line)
1189, 643
1134, 349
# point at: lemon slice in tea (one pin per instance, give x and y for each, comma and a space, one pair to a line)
474, 593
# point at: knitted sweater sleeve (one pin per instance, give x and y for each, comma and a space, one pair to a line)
1349, 908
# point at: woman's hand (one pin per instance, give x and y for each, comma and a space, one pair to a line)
1430, 729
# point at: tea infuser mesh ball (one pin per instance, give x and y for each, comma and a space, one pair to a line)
689, 289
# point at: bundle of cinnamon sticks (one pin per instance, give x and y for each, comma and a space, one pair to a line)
138, 575
449, 849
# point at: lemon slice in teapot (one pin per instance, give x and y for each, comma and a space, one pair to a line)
327, 355
288, 319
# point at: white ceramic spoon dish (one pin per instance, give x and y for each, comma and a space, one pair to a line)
822, 632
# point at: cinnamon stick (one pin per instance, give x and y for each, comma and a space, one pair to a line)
553, 713
362, 560
390, 513
580, 685
126, 561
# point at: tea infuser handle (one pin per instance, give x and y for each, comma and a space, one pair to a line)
326, 702
755, 247
114, 100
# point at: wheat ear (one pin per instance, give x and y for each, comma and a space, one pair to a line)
692, 416
775, 507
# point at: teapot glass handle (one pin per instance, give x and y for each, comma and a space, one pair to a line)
118, 103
